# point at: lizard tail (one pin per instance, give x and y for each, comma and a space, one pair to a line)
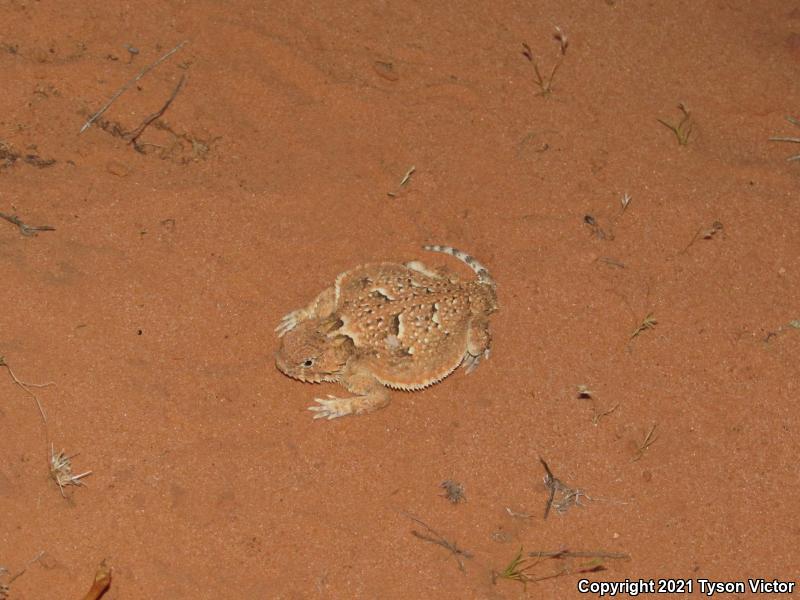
481, 271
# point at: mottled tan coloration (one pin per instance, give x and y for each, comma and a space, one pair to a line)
388, 325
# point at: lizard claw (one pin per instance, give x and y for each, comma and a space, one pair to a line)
330, 409
289, 322
471, 361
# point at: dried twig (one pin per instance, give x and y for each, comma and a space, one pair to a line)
599, 415
517, 515
8, 156
589, 568
435, 538
24, 385
24, 229
598, 231
127, 85
568, 496
704, 233
5, 588
612, 262
649, 440
580, 554
548, 483
792, 140
134, 135
584, 393
403, 182
101, 583
649, 322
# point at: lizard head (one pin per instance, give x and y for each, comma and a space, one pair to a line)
310, 353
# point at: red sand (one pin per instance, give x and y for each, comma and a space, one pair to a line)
152, 304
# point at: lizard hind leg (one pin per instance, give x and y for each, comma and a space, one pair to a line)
479, 343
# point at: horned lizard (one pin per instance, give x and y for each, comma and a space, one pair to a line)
388, 325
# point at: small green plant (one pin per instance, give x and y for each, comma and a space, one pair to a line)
519, 568
683, 129
792, 140
545, 82
515, 570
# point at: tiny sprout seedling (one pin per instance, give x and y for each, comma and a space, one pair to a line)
683, 129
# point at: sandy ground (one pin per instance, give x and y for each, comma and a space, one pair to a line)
152, 304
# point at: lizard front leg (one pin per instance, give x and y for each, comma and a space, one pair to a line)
371, 395
322, 306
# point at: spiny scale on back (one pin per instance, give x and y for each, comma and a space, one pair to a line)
406, 326
410, 323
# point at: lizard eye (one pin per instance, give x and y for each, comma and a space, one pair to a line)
308, 362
